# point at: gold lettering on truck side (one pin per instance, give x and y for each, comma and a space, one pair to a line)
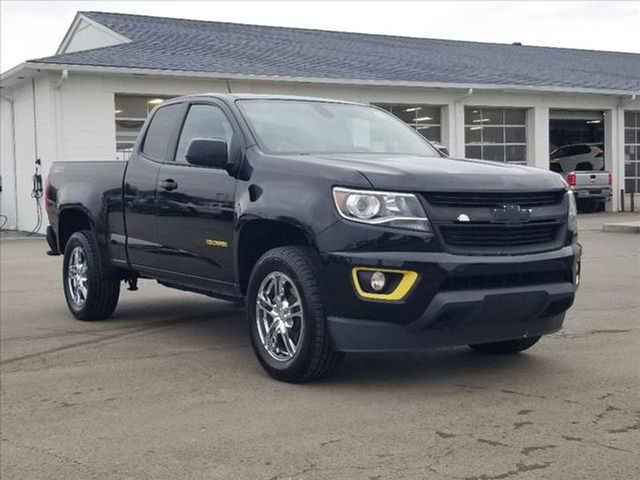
216, 243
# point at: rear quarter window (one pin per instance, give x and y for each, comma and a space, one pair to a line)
158, 136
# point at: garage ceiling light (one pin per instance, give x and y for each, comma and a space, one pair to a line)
412, 109
155, 101
423, 118
594, 121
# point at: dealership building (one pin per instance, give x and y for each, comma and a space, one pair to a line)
507, 103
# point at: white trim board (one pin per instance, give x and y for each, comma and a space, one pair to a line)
326, 81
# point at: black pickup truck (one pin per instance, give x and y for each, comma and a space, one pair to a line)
342, 228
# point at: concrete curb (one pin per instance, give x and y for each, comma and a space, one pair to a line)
622, 227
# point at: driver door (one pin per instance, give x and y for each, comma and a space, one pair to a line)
196, 203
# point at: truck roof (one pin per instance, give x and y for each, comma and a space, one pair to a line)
253, 96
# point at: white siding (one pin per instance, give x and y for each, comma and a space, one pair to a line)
25, 144
25, 155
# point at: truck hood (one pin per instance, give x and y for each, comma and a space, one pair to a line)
414, 173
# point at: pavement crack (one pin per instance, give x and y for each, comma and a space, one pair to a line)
522, 394
493, 443
67, 460
608, 409
104, 338
608, 330
518, 425
520, 468
569, 438
629, 428
528, 450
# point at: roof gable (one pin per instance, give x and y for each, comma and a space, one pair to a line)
86, 33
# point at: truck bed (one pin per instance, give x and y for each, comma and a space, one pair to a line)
96, 186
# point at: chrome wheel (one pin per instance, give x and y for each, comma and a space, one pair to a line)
279, 316
77, 277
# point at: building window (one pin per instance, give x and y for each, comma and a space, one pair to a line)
498, 134
632, 151
130, 114
423, 118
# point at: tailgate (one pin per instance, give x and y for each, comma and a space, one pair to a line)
592, 179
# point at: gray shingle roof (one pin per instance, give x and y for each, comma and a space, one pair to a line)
235, 49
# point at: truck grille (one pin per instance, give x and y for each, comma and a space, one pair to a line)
492, 199
498, 236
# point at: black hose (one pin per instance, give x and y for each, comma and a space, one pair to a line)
36, 194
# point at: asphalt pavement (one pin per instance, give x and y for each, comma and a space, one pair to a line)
169, 388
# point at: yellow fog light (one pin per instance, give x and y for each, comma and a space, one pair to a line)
383, 283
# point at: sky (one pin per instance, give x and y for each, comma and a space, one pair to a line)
31, 30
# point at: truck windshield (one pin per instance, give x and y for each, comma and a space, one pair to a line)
314, 127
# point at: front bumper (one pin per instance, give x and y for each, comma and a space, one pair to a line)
462, 318
457, 300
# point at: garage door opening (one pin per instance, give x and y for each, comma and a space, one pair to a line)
576, 144
576, 139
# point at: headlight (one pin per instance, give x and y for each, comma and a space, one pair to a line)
572, 219
395, 210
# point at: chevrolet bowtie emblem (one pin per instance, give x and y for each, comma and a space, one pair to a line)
512, 214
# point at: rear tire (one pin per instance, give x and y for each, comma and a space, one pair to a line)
90, 287
505, 348
290, 318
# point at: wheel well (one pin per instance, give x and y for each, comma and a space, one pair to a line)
69, 222
258, 237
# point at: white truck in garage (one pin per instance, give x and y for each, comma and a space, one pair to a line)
583, 168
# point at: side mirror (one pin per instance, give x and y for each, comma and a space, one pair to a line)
208, 152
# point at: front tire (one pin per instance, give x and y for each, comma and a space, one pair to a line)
508, 347
287, 323
90, 287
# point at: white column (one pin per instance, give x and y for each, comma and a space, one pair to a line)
456, 129
447, 127
538, 137
614, 151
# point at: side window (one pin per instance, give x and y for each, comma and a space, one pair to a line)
203, 121
158, 134
583, 150
555, 167
576, 150
559, 153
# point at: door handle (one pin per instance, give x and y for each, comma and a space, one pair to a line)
169, 185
